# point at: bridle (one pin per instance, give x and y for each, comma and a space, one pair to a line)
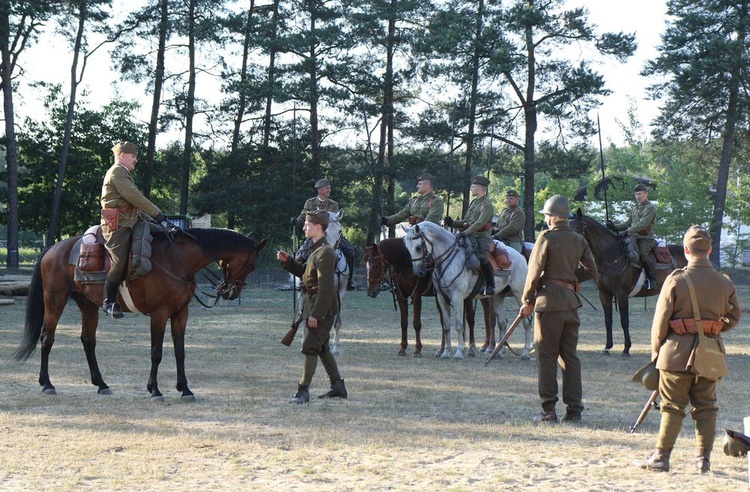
607, 267
432, 264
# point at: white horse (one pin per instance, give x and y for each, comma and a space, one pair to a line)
333, 236
433, 248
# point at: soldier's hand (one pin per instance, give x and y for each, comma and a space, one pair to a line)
623, 233
282, 256
448, 221
160, 218
383, 221
461, 234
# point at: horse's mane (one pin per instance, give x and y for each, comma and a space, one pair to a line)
215, 241
395, 252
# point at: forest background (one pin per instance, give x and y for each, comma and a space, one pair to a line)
252, 101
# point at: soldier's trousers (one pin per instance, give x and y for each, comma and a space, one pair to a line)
556, 336
118, 245
677, 389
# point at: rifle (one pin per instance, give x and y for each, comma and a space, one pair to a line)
650, 403
604, 177
502, 342
289, 337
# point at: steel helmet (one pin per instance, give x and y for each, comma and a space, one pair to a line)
648, 376
556, 205
735, 443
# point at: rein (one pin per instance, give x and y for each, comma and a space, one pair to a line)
606, 267
432, 264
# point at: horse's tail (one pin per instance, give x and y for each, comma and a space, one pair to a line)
34, 316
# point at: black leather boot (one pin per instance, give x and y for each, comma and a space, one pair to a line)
302, 396
338, 390
110, 306
650, 271
489, 279
658, 461
703, 460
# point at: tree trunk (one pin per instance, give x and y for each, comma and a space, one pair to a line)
271, 79
156, 101
187, 151
62, 164
530, 115
472, 106
314, 94
11, 148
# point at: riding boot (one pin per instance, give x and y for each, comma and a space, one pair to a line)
489, 278
110, 306
302, 395
351, 284
650, 271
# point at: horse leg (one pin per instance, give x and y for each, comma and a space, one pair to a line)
417, 306
470, 314
458, 325
490, 320
441, 315
178, 322
336, 342
623, 306
606, 300
158, 326
403, 308
446, 322
53, 308
90, 321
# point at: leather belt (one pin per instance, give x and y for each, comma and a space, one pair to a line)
310, 290
575, 287
688, 326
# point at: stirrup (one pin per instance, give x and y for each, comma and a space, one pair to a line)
113, 309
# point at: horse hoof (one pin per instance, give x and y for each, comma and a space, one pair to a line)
188, 398
417, 355
105, 391
336, 350
49, 391
471, 353
604, 352
625, 355
445, 355
525, 357
458, 355
401, 353
158, 398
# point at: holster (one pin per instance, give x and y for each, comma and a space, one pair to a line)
112, 218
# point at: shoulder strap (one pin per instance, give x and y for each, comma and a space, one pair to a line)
694, 300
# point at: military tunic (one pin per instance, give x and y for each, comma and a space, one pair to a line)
427, 207
639, 227
119, 191
320, 300
314, 204
510, 227
717, 300
476, 225
557, 255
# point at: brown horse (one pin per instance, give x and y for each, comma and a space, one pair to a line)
617, 277
388, 262
163, 294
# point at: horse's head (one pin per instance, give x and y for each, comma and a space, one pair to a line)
333, 231
419, 249
375, 268
236, 266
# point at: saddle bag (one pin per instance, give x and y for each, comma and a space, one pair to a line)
662, 255
140, 250
91, 258
500, 255
112, 217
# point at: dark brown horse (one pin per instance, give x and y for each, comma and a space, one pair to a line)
617, 277
163, 294
388, 263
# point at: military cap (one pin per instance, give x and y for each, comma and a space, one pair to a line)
321, 183
512, 193
697, 238
426, 177
317, 217
125, 148
480, 180
648, 376
640, 187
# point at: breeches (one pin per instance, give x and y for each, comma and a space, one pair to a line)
118, 245
556, 337
481, 244
677, 389
315, 340
644, 248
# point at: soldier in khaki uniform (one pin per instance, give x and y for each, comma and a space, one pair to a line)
424, 206
319, 306
323, 202
673, 333
121, 201
551, 291
510, 223
476, 225
639, 227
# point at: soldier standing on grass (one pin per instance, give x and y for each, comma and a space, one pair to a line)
551, 291
673, 333
320, 303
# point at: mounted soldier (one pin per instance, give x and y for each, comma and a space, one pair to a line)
639, 227
426, 205
510, 223
323, 202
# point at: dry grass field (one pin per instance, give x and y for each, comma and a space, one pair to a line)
409, 424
